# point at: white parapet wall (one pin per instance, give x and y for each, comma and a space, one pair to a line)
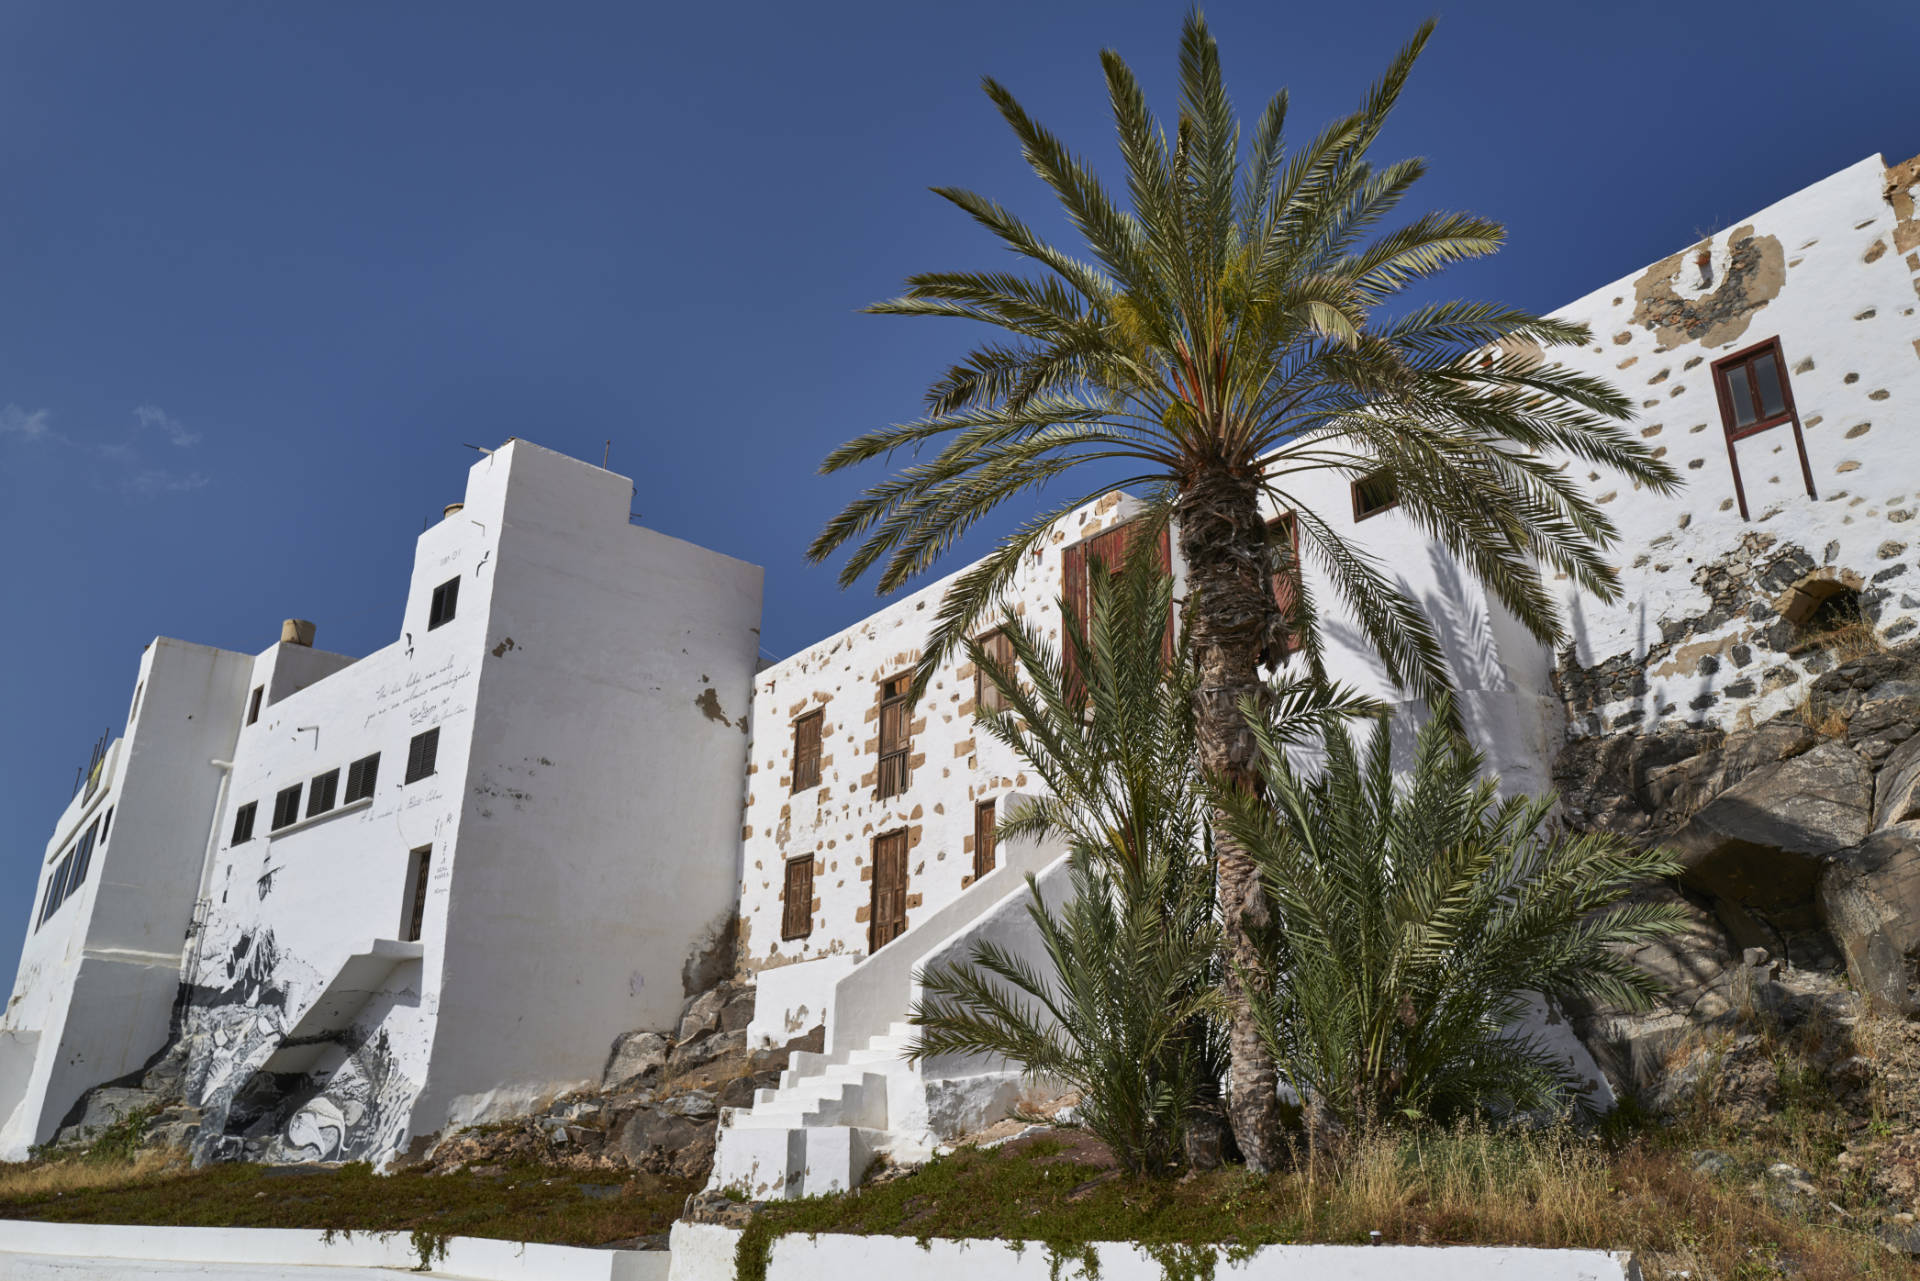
706, 1252
119, 1250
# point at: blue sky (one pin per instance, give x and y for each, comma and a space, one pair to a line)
264, 269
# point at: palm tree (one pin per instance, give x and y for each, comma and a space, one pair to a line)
1227, 338
1417, 918
1125, 1008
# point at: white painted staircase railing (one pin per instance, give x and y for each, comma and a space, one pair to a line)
833, 1112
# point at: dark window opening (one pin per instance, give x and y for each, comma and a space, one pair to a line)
421, 754
106, 825
896, 736
445, 597
796, 917
414, 913
806, 751
360, 777
321, 791
1755, 395
286, 807
253, 704
887, 917
997, 648
243, 823
983, 839
1374, 493
83, 858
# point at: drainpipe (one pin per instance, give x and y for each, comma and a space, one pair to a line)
196, 927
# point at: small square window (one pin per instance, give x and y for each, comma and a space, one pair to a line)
253, 703
1374, 493
1754, 394
796, 919
286, 807
243, 823
421, 754
361, 776
806, 751
445, 597
321, 791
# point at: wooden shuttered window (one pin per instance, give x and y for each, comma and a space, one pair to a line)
997, 646
415, 912
422, 753
806, 751
896, 736
1374, 493
1103, 553
1285, 529
446, 598
243, 823
796, 917
361, 776
286, 807
887, 919
983, 839
322, 791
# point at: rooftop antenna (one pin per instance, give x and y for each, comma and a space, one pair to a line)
603, 455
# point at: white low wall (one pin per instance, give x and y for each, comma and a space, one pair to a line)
704, 1252
478, 1258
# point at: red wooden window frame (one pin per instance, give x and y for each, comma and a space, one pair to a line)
984, 838
887, 915
896, 736
806, 750
1076, 584
1367, 508
796, 917
998, 646
1744, 369
1286, 583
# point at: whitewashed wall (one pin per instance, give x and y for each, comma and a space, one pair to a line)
1832, 274
97, 981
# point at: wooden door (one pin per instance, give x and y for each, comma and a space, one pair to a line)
888, 918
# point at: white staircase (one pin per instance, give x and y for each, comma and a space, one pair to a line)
820, 1128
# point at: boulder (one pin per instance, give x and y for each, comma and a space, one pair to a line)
1870, 905
702, 1014
737, 1010
1896, 790
1762, 842
704, 1049
635, 1054
103, 1107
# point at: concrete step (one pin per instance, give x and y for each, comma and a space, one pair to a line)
784, 1164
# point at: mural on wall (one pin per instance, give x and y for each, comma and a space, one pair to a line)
357, 1111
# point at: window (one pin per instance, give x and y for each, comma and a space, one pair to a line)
321, 791
796, 920
243, 823
1754, 396
1284, 531
445, 597
1109, 551
895, 735
421, 753
286, 807
253, 704
1374, 493
887, 917
360, 777
106, 824
983, 838
82, 859
413, 913
997, 647
806, 751
56, 889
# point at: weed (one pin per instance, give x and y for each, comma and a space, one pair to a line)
429, 1247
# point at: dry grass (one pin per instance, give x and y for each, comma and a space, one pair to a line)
62, 1178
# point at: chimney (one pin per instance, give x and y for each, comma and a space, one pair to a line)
296, 631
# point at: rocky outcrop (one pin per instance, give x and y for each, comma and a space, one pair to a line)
1799, 837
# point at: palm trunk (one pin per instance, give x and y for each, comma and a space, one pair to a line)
1229, 604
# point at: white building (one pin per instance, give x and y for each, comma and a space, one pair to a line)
443, 876
1791, 336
